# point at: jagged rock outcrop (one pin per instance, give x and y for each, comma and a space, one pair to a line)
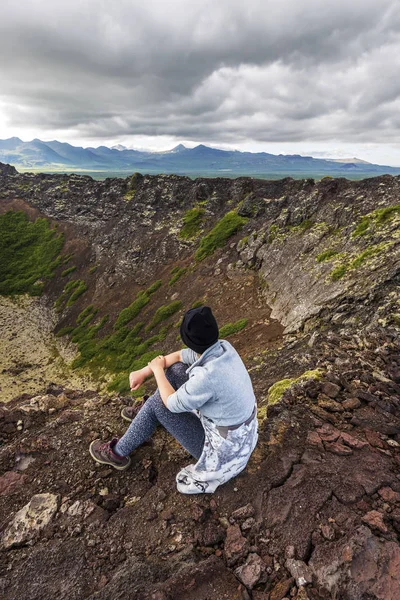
7, 170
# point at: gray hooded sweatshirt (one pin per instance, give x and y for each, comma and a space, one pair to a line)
219, 386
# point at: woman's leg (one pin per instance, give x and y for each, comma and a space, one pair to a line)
186, 427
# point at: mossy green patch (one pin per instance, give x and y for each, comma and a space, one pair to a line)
164, 312
339, 271
29, 253
273, 233
198, 303
68, 271
326, 255
177, 273
367, 253
71, 292
93, 269
129, 195
277, 390
78, 291
301, 227
131, 312
192, 222
67, 258
375, 220
89, 310
242, 243
231, 328
230, 223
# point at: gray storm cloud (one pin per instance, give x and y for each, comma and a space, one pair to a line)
225, 71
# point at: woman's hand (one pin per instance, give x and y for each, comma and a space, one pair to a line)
136, 379
157, 364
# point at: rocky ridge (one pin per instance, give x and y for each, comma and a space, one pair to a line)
316, 513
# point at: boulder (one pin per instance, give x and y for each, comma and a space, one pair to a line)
250, 573
28, 521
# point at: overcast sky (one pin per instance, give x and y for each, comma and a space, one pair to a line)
315, 77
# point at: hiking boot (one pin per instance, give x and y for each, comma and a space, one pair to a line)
129, 412
102, 452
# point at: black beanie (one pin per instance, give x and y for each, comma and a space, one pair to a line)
199, 329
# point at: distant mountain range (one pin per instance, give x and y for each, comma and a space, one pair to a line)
201, 160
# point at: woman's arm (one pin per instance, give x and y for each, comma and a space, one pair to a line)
157, 366
169, 360
136, 378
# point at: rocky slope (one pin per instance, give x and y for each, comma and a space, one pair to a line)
315, 270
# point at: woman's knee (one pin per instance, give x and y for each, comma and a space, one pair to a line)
178, 369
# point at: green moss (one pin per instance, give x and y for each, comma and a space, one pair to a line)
198, 303
129, 195
326, 255
131, 312
277, 390
71, 285
362, 227
230, 223
176, 274
89, 310
382, 215
303, 226
273, 233
338, 272
192, 222
154, 287
64, 331
231, 328
68, 271
164, 312
79, 290
120, 383
367, 253
93, 269
242, 243
67, 258
375, 219
28, 253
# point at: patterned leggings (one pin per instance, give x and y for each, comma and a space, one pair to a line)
186, 427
